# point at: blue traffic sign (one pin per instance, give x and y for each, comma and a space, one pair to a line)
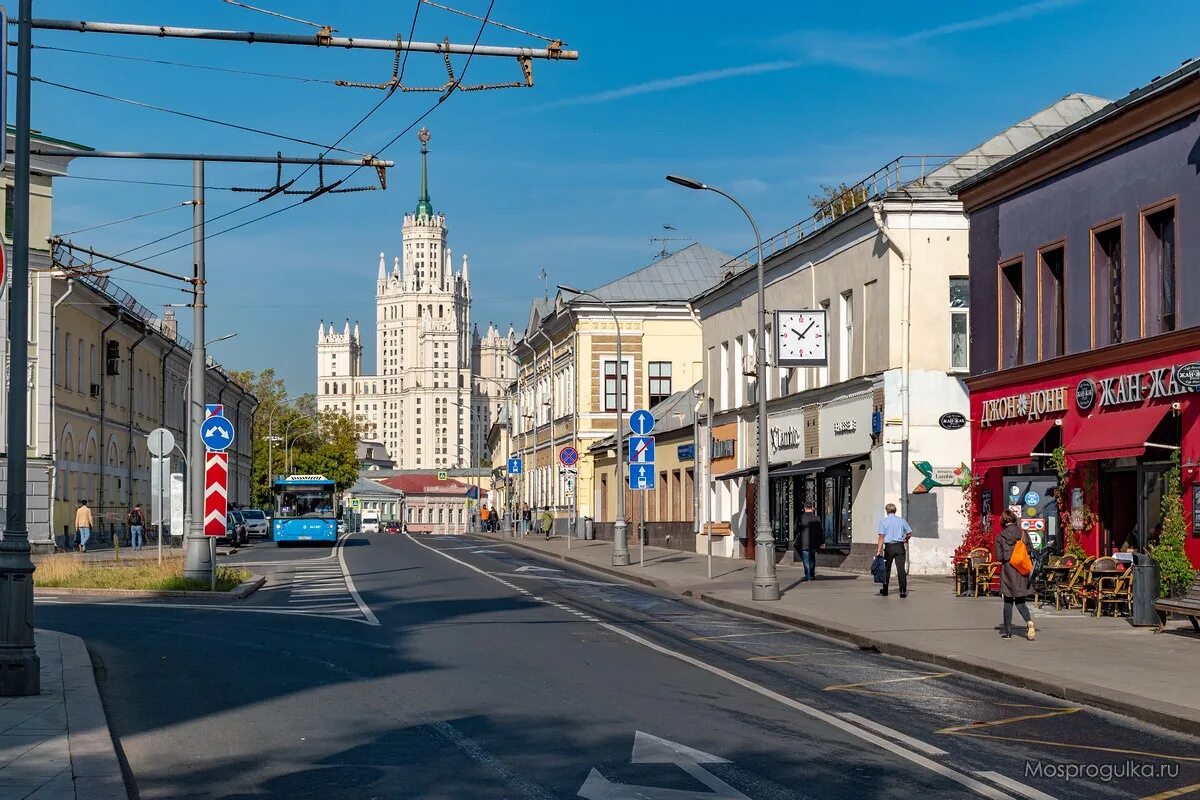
641, 477
641, 449
217, 433
641, 422
568, 456
514, 466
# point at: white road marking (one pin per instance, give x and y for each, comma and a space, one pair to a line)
1016, 786
537, 569
846, 726
284, 610
367, 612
915, 744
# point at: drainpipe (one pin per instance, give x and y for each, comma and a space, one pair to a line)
53, 383
575, 423
905, 339
552, 485
131, 456
163, 381
101, 447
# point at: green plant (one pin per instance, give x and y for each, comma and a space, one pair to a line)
1175, 571
977, 534
1080, 518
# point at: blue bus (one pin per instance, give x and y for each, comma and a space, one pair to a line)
304, 510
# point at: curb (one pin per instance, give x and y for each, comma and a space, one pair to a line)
248, 587
94, 762
1141, 708
239, 592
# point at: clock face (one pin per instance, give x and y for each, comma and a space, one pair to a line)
801, 338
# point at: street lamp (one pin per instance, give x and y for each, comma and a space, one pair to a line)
287, 443
226, 337
766, 582
271, 440
620, 555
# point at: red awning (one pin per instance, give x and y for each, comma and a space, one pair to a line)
1117, 434
1011, 445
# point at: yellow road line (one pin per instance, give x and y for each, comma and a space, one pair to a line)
976, 725
857, 686
739, 635
826, 651
1180, 792
1068, 745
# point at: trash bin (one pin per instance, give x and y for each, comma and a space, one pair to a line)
1145, 590
588, 532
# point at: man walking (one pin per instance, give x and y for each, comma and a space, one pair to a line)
83, 524
809, 539
136, 521
894, 533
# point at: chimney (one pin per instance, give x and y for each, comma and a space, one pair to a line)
170, 326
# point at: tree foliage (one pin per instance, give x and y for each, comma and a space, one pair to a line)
1174, 569
834, 201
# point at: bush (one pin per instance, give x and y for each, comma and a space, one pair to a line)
1174, 569
69, 571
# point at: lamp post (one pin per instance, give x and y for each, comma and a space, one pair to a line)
287, 462
271, 440
766, 582
620, 554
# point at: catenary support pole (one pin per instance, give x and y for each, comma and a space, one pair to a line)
197, 556
20, 667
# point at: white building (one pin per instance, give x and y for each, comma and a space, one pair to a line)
427, 400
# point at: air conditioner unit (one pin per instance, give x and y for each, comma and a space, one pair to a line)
750, 365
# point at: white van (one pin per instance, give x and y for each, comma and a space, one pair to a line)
370, 522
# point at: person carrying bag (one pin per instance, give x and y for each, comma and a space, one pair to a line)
1016, 568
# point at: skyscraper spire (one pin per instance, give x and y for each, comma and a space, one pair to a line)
424, 207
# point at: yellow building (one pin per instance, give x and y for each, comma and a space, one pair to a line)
568, 389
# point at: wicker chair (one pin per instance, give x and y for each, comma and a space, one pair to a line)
985, 570
1064, 592
1089, 590
964, 571
1115, 591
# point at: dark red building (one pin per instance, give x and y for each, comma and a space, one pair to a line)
1085, 315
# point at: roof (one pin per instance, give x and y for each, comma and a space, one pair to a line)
682, 403
364, 486
426, 483
1186, 72
678, 277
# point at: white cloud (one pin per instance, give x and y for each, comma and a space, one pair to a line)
749, 186
676, 82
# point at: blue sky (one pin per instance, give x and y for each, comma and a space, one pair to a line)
767, 100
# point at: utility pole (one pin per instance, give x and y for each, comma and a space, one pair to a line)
20, 667
197, 558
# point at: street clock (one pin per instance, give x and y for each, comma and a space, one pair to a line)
802, 338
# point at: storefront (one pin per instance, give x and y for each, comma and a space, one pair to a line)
1115, 420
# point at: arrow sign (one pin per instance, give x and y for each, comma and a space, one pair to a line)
641, 449
217, 433
641, 477
649, 749
641, 422
536, 569
216, 480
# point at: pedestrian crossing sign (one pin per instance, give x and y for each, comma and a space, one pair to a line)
442, 475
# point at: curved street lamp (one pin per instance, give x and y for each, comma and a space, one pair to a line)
766, 582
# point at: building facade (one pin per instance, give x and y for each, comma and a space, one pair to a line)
430, 393
1085, 343
881, 273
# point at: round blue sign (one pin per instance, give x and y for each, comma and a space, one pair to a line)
568, 456
1032, 498
641, 422
217, 433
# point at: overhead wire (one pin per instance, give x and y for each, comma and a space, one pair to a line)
142, 183
184, 64
271, 13
487, 22
127, 219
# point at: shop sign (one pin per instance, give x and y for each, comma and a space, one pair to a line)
1085, 394
1135, 387
952, 421
1026, 405
845, 426
722, 448
1188, 375
785, 439
941, 476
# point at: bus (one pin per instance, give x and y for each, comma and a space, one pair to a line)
304, 510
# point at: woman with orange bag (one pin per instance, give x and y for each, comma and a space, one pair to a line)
1013, 549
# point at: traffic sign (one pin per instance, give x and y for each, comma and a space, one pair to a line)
641, 449
568, 456
442, 474
217, 433
160, 442
355, 503
641, 477
216, 481
514, 466
641, 422
213, 410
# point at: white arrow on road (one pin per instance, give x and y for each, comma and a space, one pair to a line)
648, 749
537, 569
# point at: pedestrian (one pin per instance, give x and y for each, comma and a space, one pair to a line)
894, 533
810, 537
483, 518
136, 521
526, 520
1014, 587
547, 522
83, 524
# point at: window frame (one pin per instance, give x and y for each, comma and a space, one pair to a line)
959, 311
651, 379
626, 376
1044, 277
1143, 228
1019, 315
1095, 255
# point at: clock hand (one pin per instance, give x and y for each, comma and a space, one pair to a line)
809, 328
798, 333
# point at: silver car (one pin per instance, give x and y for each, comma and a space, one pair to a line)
257, 523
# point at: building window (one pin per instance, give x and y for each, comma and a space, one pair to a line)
1158, 259
846, 345
1012, 314
1107, 283
960, 319
660, 382
1052, 297
611, 391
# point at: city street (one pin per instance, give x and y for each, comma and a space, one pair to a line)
491, 673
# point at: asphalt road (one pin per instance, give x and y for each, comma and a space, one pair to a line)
446, 667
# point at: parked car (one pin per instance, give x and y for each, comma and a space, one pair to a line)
341, 528
235, 529
257, 523
370, 522
393, 527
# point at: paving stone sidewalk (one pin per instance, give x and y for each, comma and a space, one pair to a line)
1104, 661
56, 745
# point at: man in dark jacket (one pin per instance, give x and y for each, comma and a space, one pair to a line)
809, 538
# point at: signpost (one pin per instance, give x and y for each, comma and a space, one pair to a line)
641, 467
568, 456
217, 433
160, 442
641, 449
514, 465
641, 422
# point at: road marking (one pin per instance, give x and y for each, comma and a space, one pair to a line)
649, 749
283, 610
738, 635
850, 687
537, 569
818, 651
972, 726
1180, 792
915, 744
859, 732
370, 615
1015, 786
556, 579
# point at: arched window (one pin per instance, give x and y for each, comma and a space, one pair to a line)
343, 388
440, 308
418, 312
374, 388
326, 387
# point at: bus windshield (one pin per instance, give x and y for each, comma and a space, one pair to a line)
304, 501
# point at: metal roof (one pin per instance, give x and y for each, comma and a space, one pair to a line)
363, 486
682, 402
678, 277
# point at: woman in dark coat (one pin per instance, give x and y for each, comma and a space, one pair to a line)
1014, 587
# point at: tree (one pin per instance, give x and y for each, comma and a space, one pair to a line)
1174, 569
330, 448
272, 410
834, 201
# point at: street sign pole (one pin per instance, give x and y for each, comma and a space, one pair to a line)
197, 555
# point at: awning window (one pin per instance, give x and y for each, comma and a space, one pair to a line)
1117, 434
814, 465
1011, 445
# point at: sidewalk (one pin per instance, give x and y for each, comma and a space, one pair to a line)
56, 745
1102, 662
